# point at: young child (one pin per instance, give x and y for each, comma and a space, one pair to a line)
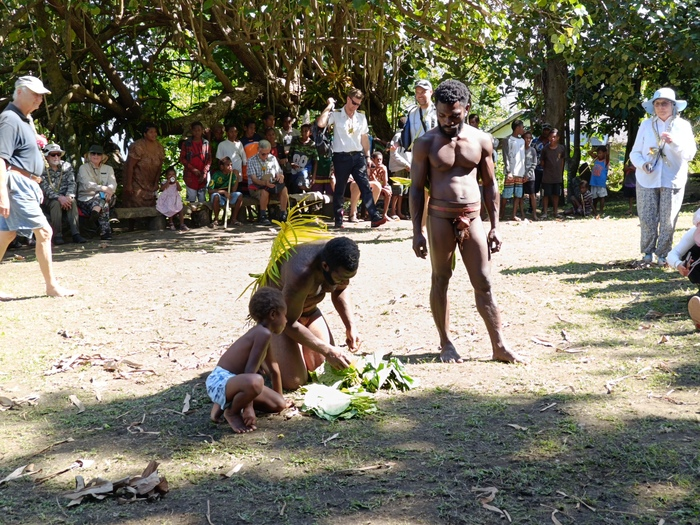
235, 386
586, 198
380, 174
169, 201
599, 178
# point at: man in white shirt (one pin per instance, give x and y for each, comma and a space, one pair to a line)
233, 149
351, 155
513, 169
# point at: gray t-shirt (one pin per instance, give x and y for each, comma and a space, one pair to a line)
18, 141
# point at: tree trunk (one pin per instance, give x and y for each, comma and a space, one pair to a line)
555, 88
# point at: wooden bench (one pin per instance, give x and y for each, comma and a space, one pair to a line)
156, 220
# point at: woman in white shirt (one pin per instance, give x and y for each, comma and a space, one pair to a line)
661, 152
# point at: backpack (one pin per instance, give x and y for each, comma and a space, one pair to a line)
322, 140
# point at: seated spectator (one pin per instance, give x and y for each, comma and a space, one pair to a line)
195, 156
265, 178
586, 198
233, 149
96, 187
399, 166
58, 185
574, 196
324, 181
223, 186
379, 183
169, 201
288, 134
684, 257
302, 158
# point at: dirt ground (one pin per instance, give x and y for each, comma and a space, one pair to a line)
601, 427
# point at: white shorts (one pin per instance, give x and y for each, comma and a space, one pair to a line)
598, 192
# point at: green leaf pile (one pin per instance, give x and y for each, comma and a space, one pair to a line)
342, 394
330, 403
372, 373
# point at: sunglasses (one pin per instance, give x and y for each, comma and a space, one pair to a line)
54, 154
96, 154
356, 104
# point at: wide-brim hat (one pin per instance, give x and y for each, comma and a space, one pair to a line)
666, 93
53, 148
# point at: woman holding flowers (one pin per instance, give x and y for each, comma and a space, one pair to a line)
661, 152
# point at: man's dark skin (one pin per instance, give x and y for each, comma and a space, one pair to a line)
305, 280
449, 156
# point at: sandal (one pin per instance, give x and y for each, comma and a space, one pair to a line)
171, 227
184, 228
237, 223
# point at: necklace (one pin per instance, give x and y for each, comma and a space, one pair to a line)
56, 185
658, 152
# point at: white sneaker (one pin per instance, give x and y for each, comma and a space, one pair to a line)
647, 258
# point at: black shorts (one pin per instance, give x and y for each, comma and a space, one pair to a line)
551, 189
529, 187
629, 193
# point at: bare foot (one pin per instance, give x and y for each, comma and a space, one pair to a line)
236, 422
59, 291
516, 219
507, 356
448, 354
216, 413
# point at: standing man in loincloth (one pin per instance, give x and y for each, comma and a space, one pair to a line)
315, 269
447, 159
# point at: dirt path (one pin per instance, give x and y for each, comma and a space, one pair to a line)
168, 303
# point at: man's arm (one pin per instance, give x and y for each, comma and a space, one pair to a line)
325, 114
131, 162
491, 196
420, 167
343, 305
4, 197
364, 138
295, 294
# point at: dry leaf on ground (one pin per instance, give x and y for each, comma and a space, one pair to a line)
21, 472
77, 402
186, 404
233, 471
542, 342
334, 436
516, 427
486, 495
149, 485
554, 519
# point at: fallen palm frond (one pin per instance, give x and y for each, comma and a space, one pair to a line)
299, 228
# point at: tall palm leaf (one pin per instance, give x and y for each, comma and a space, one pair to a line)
298, 229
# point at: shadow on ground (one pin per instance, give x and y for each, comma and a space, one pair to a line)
415, 462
